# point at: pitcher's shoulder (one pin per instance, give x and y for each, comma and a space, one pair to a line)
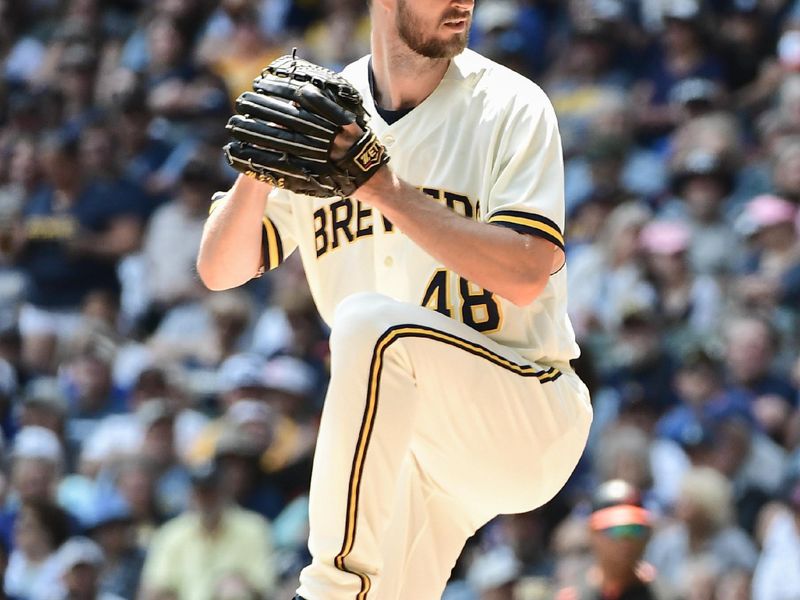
497, 85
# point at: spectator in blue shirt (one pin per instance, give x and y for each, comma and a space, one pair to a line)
700, 386
142, 153
73, 232
91, 392
682, 54
752, 344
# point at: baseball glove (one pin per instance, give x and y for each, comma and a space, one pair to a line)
284, 129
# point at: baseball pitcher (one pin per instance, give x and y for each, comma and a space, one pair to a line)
423, 188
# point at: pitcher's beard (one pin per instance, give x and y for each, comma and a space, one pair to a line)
409, 29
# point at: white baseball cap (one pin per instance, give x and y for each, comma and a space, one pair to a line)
496, 15
250, 411
240, 371
494, 568
79, 551
37, 442
290, 375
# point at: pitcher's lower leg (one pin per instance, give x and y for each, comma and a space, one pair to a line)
364, 437
424, 541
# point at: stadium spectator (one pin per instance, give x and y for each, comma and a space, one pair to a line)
703, 529
244, 48
775, 577
701, 389
584, 78
294, 328
44, 405
180, 91
745, 42
142, 155
240, 376
100, 161
273, 418
572, 551
238, 451
619, 531
111, 527
79, 562
118, 372
191, 554
771, 275
136, 481
33, 566
157, 446
23, 176
77, 63
91, 392
37, 463
701, 182
623, 453
204, 335
494, 574
643, 365
74, 232
610, 272
688, 303
786, 167
606, 158
752, 344
750, 460
682, 53
695, 97
169, 260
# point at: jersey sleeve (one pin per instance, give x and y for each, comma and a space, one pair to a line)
527, 190
277, 239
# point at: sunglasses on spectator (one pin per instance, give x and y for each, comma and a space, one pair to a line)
620, 532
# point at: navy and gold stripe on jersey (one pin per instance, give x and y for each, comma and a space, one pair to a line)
370, 413
271, 244
529, 223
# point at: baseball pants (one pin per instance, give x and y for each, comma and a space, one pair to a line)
430, 429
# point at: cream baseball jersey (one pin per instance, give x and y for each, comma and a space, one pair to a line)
486, 144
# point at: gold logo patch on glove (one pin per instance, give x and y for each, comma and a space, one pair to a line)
370, 156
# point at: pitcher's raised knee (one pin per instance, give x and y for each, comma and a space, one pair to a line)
362, 318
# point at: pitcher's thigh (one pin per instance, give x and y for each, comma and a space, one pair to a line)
502, 434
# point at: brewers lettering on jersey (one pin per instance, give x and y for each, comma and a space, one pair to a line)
451, 397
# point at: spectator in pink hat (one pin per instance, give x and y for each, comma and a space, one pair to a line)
772, 273
688, 303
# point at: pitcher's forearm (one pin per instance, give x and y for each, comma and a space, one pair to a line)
514, 265
230, 250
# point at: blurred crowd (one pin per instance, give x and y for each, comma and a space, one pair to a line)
157, 438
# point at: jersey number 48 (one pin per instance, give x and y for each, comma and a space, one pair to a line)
478, 308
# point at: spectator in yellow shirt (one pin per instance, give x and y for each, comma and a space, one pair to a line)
191, 555
243, 52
